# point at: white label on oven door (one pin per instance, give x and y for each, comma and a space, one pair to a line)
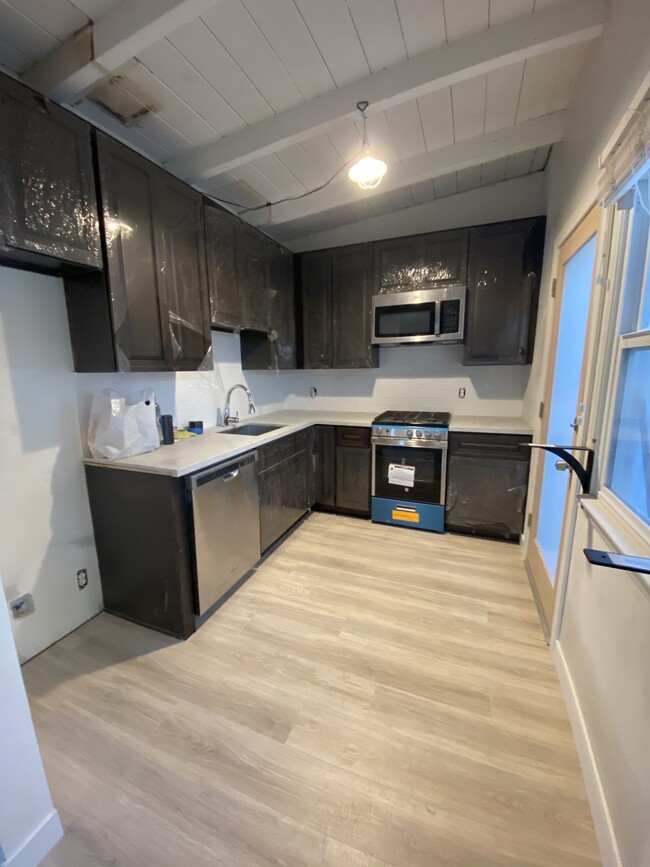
402, 475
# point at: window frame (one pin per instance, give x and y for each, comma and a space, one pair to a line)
619, 341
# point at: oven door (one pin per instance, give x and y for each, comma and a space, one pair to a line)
429, 475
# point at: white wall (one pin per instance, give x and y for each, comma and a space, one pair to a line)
616, 65
29, 824
46, 533
605, 645
508, 200
413, 377
603, 652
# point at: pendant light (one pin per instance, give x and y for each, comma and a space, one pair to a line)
368, 171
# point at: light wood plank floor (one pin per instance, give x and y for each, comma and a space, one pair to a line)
372, 696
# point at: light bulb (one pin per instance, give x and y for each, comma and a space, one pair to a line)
367, 172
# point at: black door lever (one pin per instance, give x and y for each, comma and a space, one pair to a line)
618, 561
564, 453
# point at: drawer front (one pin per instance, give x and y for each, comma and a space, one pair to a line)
278, 451
353, 437
501, 446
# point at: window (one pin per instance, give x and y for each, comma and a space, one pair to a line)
628, 464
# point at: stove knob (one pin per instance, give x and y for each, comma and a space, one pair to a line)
428, 434
409, 433
418, 433
437, 434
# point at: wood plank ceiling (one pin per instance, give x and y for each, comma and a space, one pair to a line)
238, 63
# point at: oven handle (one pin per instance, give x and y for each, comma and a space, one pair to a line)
411, 444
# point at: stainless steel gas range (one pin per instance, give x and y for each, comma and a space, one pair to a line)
409, 469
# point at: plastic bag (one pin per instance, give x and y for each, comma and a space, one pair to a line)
119, 430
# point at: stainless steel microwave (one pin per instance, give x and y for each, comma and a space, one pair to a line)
426, 316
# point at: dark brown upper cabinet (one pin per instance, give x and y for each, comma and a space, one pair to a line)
316, 298
336, 308
251, 263
282, 313
225, 299
420, 262
351, 307
148, 310
505, 261
48, 209
181, 263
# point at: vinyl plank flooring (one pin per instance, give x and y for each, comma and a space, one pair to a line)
371, 697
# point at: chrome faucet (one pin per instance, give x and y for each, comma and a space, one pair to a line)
234, 419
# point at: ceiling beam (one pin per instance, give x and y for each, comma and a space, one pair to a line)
539, 132
101, 47
559, 26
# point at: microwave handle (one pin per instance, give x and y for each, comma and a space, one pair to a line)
436, 327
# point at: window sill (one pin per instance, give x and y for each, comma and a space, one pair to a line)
622, 538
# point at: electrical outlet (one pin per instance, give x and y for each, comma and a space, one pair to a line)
23, 606
462, 392
82, 578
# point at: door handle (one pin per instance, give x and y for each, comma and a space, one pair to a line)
575, 424
618, 561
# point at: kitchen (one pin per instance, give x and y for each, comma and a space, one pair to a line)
355, 378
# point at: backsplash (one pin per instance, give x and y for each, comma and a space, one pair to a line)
409, 377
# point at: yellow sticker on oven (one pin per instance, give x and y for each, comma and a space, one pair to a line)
399, 515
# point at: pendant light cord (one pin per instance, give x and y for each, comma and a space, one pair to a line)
362, 107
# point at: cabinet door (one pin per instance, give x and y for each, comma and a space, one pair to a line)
397, 265
444, 258
225, 299
353, 479
316, 284
282, 315
181, 262
251, 256
324, 466
502, 291
49, 203
487, 482
128, 207
351, 307
283, 497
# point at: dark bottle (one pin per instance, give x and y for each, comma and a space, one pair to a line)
167, 425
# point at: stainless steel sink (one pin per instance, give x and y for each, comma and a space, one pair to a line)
252, 429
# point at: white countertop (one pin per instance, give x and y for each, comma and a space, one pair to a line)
217, 445
495, 424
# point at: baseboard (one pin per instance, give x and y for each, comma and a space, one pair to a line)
605, 835
36, 847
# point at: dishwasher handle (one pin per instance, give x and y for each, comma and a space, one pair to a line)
226, 472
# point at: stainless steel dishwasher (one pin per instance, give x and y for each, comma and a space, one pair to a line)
226, 516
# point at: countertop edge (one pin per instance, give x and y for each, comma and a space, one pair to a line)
471, 424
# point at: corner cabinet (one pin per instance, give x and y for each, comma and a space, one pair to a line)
315, 272
48, 208
336, 300
148, 311
505, 261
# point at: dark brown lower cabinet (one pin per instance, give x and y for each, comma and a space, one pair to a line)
144, 547
323, 469
341, 462
487, 483
283, 487
353, 470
